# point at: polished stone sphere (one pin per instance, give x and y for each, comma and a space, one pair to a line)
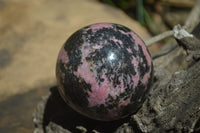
104, 71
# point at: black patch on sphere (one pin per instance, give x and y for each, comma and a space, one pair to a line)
135, 104
98, 111
139, 92
142, 70
130, 108
150, 80
72, 46
101, 109
123, 28
75, 88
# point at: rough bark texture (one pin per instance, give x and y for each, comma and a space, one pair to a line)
173, 104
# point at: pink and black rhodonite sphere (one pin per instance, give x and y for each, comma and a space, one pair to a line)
104, 71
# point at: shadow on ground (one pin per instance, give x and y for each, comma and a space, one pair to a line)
16, 112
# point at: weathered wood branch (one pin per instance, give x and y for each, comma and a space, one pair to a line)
173, 104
